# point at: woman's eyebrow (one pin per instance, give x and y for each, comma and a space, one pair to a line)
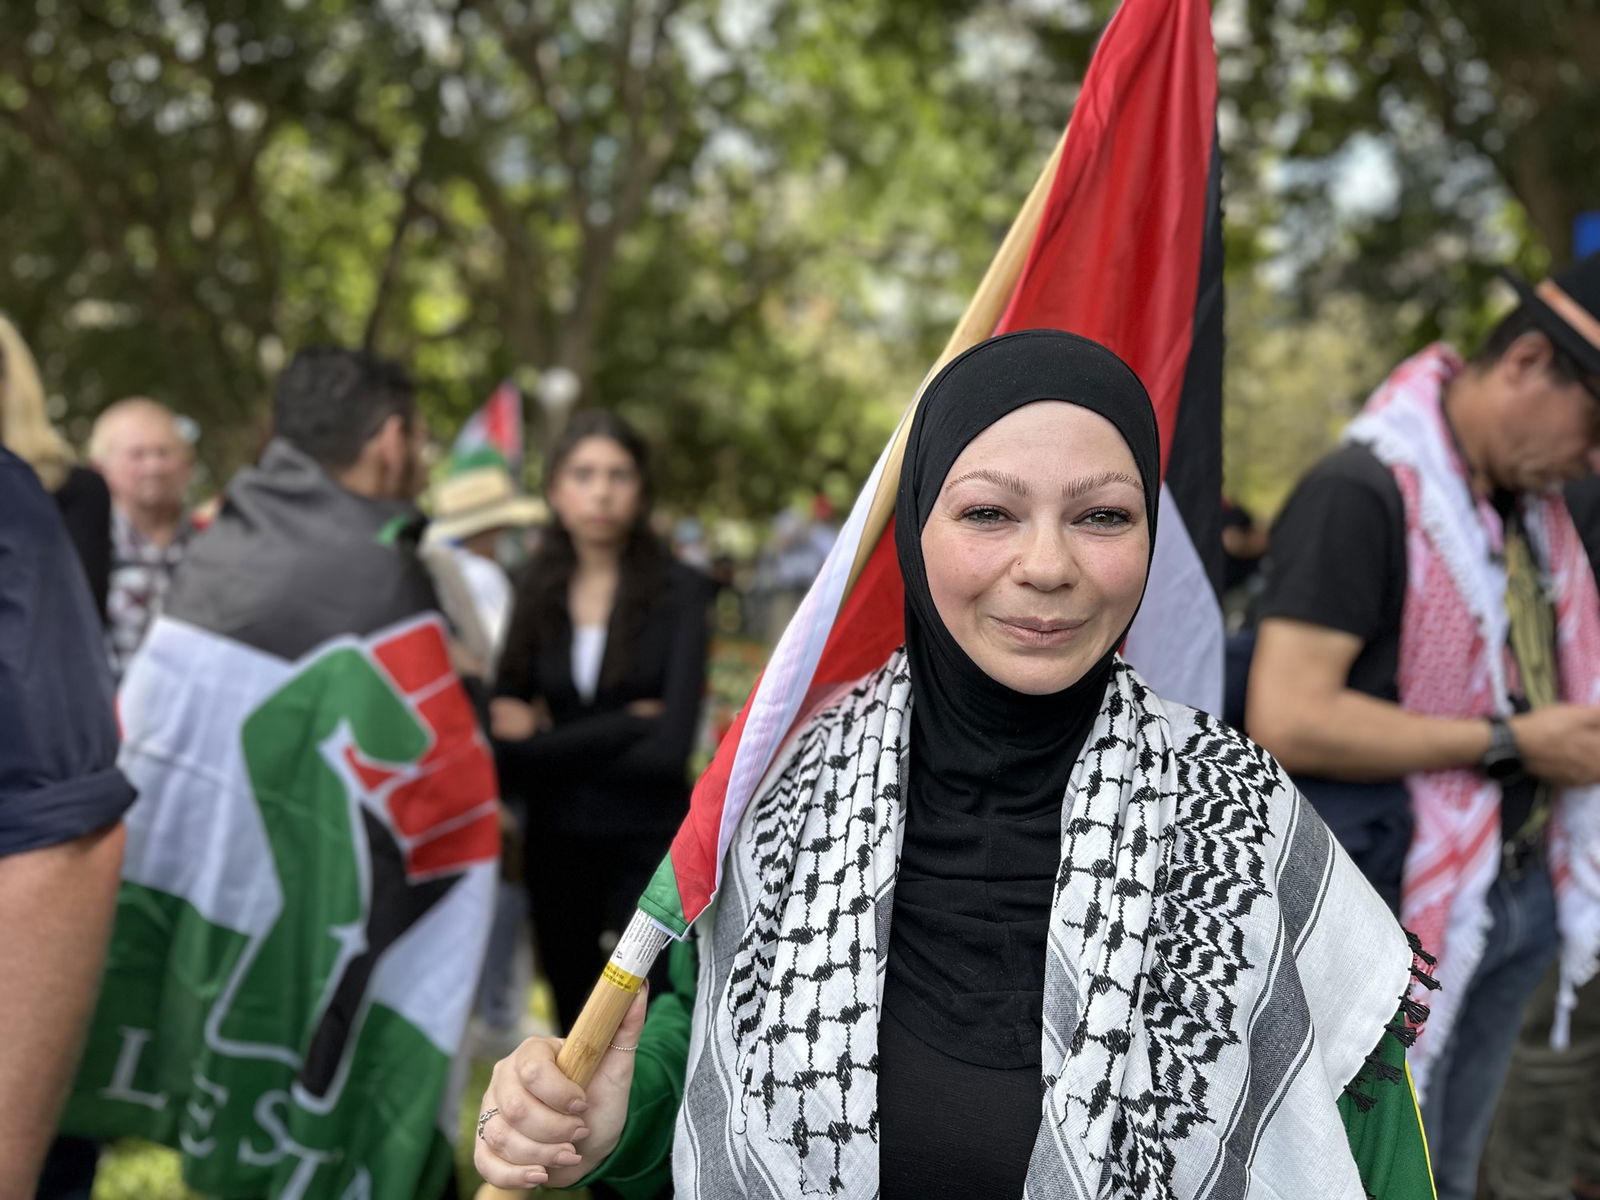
1070, 490
1001, 479
1075, 488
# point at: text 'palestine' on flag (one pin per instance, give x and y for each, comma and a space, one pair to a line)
1127, 251
310, 865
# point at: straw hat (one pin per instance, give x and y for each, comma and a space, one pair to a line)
477, 500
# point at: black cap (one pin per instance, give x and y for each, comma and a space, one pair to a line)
1566, 307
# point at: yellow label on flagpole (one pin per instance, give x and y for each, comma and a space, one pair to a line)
617, 977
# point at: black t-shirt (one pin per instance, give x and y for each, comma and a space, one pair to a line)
1337, 558
935, 1108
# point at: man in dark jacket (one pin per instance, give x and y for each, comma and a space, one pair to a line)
310, 867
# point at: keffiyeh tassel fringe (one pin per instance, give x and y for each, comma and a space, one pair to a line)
1410, 1015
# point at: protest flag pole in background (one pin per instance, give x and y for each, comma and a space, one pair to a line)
1123, 245
493, 435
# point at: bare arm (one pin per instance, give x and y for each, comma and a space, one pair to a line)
56, 905
1300, 709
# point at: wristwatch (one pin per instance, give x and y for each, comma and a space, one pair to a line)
1502, 761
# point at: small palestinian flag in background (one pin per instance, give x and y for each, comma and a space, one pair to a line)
310, 864
493, 435
1128, 251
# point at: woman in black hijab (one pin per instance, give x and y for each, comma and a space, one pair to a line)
965, 983
1000, 921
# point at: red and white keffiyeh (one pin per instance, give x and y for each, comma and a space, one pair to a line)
1453, 632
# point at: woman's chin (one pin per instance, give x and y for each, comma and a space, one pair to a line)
1036, 674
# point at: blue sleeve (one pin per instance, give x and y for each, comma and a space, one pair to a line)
58, 734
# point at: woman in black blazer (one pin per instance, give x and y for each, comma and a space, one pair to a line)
598, 699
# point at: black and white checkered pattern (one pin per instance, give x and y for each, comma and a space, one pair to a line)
1199, 1019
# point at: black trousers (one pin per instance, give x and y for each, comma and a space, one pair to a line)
578, 889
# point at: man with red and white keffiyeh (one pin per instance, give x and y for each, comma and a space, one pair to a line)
1428, 667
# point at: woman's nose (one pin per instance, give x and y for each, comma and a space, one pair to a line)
1046, 560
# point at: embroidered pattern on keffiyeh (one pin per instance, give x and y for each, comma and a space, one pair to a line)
1217, 969
1452, 637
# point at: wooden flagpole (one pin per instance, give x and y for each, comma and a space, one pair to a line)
614, 991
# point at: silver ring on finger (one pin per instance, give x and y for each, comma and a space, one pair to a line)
483, 1119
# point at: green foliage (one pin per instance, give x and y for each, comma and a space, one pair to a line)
1295, 380
132, 1170
746, 224
1480, 121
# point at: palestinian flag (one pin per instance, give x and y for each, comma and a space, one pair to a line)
493, 435
1121, 242
310, 863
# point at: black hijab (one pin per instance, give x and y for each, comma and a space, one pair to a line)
989, 765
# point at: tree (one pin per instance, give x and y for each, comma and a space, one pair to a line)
1478, 121
745, 225
1294, 382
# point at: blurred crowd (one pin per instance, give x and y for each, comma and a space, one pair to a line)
578, 624
1416, 638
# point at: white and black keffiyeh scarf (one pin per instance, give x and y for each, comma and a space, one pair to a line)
1217, 970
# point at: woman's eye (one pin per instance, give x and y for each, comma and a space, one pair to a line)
984, 514
1107, 518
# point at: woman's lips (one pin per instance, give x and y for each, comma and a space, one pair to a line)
1037, 632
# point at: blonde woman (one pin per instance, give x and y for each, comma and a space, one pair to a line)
80, 494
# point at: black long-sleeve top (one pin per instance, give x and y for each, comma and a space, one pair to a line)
601, 771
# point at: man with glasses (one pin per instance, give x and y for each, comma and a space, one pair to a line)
1428, 666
